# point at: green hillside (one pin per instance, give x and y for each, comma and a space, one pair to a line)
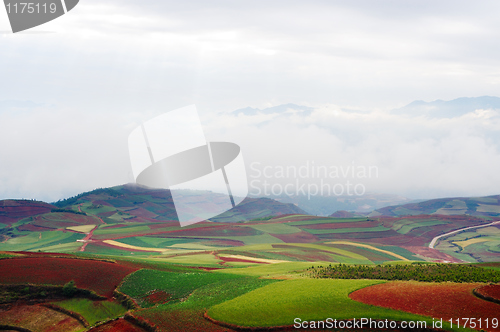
488, 206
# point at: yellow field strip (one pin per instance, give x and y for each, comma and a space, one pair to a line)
370, 247
82, 228
468, 242
253, 259
128, 246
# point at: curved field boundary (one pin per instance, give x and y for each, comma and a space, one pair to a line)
370, 247
477, 292
141, 322
434, 240
125, 300
438, 300
73, 314
14, 328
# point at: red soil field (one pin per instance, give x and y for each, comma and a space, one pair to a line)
140, 212
34, 228
158, 297
492, 291
300, 237
438, 300
226, 230
117, 325
106, 214
17, 208
181, 321
101, 277
40, 319
14, 210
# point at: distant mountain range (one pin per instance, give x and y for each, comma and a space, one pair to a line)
435, 109
449, 109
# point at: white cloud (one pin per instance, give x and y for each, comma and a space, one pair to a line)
416, 156
111, 64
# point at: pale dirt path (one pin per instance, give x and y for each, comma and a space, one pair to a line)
434, 240
88, 237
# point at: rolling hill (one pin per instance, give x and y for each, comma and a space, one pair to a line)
140, 204
132, 220
488, 206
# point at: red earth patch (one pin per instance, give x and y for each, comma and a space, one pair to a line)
438, 300
101, 277
34, 228
492, 291
158, 297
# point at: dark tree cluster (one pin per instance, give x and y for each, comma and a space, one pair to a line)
417, 272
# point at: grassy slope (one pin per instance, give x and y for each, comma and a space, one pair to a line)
309, 299
93, 311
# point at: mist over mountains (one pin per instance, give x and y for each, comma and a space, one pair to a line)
423, 150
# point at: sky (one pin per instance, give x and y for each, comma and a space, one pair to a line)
73, 89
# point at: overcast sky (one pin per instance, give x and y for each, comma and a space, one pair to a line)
72, 90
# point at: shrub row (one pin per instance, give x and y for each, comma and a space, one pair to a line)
417, 272
31, 292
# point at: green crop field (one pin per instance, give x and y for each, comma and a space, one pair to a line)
177, 285
93, 311
272, 270
347, 230
277, 228
280, 303
407, 228
40, 240
199, 259
324, 221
